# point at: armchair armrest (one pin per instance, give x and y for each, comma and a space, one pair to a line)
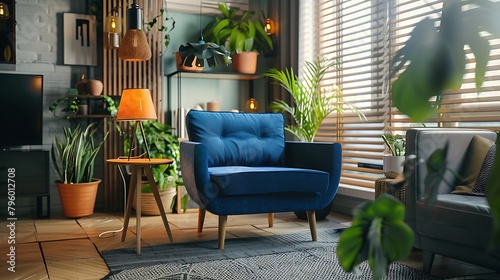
194, 167
318, 156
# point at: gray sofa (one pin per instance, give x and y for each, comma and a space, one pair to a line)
456, 226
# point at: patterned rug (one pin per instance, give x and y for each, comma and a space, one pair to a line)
287, 257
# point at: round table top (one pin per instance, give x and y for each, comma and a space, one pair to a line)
139, 161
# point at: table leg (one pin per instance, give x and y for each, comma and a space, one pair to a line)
130, 200
138, 208
156, 194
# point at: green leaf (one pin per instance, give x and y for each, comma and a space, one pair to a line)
377, 234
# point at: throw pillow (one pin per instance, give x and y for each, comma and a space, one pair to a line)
482, 179
478, 148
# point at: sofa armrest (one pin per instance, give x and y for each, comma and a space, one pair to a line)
318, 156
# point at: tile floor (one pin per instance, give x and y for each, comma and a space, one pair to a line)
62, 248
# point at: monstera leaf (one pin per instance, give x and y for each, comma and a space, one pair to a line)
377, 234
435, 56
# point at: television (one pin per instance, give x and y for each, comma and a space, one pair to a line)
21, 104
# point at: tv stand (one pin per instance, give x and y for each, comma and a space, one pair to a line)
30, 175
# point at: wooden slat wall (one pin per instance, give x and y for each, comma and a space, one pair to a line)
119, 75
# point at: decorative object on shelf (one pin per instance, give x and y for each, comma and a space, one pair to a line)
112, 30
4, 11
73, 157
81, 85
183, 66
134, 46
7, 53
95, 87
245, 62
137, 105
240, 33
213, 106
80, 39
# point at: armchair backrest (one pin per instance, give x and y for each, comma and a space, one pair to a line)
244, 139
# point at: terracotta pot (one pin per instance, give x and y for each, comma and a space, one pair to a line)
95, 87
245, 62
148, 202
192, 68
78, 200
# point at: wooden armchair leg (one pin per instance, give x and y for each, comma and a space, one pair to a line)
222, 231
311, 217
270, 219
201, 218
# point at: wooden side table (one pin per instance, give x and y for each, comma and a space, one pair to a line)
137, 165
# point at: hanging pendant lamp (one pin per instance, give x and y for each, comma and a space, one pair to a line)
134, 46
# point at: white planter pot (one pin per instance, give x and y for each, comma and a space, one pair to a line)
393, 163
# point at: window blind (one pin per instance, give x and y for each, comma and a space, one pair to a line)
364, 35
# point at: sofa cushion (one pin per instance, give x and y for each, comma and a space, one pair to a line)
239, 138
244, 180
484, 173
476, 153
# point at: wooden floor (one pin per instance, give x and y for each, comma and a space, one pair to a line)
62, 248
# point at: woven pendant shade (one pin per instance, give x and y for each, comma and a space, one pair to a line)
134, 46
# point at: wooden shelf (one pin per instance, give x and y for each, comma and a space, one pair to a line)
215, 75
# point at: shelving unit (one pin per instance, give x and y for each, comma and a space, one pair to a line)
180, 75
92, 106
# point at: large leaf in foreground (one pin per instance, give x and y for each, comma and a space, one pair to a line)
378, 234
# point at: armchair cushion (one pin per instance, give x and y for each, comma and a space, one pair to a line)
476, 152
244, 180
484, 173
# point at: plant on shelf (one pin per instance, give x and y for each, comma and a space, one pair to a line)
73, 157
72, 105
241, 35
162, 144
312, 104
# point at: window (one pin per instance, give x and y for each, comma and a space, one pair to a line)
364, 35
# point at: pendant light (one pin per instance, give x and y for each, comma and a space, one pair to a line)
134, 46
112, 30
4, 11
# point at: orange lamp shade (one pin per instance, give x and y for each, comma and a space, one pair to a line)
135, 105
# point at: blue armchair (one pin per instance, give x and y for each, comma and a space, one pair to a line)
240, 163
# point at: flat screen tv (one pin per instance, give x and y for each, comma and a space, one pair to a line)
21, 102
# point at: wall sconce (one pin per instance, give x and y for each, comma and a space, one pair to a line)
269, 26
252, 105
112, 30
134, 46
4, 11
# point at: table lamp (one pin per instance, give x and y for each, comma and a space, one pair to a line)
136, 105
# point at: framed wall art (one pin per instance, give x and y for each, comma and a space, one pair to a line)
80, 40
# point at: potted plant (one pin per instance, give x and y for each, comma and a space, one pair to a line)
242, 36
311, 104
162, 144
73, 156
394, 162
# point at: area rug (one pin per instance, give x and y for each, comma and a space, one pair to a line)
287, 257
